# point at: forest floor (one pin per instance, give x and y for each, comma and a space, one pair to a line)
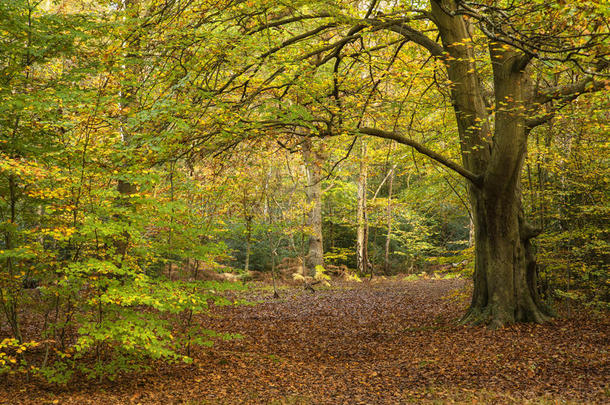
385, 342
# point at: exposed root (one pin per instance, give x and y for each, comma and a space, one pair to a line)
496, 319
476, 316
545, 308
536, 316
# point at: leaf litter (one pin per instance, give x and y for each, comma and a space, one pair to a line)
384, 342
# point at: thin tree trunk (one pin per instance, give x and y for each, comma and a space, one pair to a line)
171, 220
362, 234
470, 231
248, 243
388, 237
9, 297
127, 102
272, 246
313, 192
273, 276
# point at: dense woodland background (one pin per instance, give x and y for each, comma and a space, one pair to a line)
150, 147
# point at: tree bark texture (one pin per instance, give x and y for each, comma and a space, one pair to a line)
127, 101
388, 237
361, 235
505, 277
313, 164
248, 243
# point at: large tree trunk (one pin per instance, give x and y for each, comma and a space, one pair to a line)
505, 289
313, 192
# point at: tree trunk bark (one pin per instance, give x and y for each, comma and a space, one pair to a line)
470, 231
127, 102
313, 192
505, 274
505, 289
361, 235
248, 243
388, 237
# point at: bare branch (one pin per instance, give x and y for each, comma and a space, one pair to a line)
419, 38
371, 8
279, 23
477, 180
400, 27
298, 38
383, 182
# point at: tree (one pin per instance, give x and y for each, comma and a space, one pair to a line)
505, 287
489, 57
564, 190
37, 105
386, 256
362, 237
313, 159
63, 73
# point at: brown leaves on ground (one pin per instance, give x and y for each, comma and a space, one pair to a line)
380, 343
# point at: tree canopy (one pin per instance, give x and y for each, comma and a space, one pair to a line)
156, 155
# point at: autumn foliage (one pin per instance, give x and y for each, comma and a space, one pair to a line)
168, 169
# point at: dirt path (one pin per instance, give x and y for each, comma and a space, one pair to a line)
390, 342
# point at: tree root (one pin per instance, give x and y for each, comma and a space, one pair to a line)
496, 319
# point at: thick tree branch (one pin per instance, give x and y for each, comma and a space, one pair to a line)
563, 94
477, 180
569, 92
532, 123
419, 38
522, 61
298, 38
279, 23
400, 27
371, 8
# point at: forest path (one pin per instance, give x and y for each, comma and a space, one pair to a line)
384, 342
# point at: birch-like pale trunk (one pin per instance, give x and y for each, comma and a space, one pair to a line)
361, 235
313, 192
